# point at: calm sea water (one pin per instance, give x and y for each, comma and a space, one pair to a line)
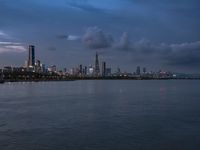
100, 115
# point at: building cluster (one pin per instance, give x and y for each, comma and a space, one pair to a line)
33, 65
98, 69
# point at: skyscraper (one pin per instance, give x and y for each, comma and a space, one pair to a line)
144, 70
80, 70
85, 70
31, 56
97, 69
103, 69
138, 70
37, 66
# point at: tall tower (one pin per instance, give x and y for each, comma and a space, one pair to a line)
103, 69
31, 56
81, 69
97, 69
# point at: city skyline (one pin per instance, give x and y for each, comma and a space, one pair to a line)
127, 33
99, 67
96, 68
35, 70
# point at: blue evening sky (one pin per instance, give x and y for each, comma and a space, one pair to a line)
157, 34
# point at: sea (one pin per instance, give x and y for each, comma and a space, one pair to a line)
100, 115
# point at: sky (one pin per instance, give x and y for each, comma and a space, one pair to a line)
156, 34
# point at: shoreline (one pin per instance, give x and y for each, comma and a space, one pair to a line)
92, 78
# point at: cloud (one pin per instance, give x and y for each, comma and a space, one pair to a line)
11, 47
69, 37
84, 6
73, 37
124, 43
3, 35
183, 54
9, 43
95, 38
145, 46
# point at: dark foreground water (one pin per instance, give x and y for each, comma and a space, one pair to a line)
100, 115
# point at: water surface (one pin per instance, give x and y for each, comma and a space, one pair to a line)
100, 115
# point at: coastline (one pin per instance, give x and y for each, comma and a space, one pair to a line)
91, 78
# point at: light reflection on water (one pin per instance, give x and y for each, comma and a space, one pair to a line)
93, 115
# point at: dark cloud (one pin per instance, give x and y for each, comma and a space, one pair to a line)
124, 43
145, 46
95, 38
183, 54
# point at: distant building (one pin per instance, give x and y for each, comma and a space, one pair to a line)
43, 69
26, 64
31, 56
144, 70
65, 70
18, 69
52, 68
97, 68
37, 63
85, 71
7, 69
138, 70
108, 72
118, 70
103, 69
80, 69
72, 71
75, 71
91, 70
37, 66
